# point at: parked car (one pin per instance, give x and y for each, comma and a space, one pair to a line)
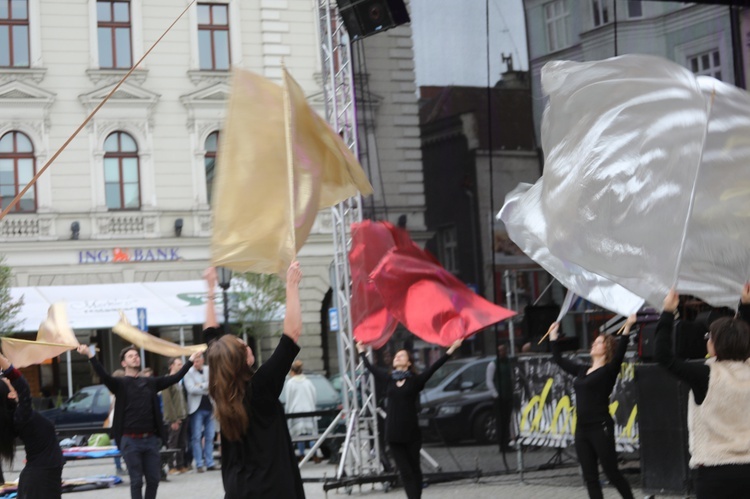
456, 403
87, 409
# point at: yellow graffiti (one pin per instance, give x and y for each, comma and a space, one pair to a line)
563, 408
539, 400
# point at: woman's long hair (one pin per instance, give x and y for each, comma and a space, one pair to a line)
610, 345
227, 384
7, 433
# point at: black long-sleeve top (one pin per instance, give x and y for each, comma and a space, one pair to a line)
136, 399
593, 389
262, 465
35, 431
695, 375
401, 422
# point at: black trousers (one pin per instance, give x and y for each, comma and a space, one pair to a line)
729, 481
40, 483
178, 440
143, 460
597, 444
503, 415
406, 456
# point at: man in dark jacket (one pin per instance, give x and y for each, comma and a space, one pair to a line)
137, 425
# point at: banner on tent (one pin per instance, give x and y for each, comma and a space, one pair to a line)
545, 404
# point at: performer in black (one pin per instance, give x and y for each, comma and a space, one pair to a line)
401, 426
595, 435
41, 478
719, 436
138, 420
257, 459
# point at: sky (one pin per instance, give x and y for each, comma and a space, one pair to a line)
450, 40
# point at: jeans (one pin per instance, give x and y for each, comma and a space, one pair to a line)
202, 426
142, 459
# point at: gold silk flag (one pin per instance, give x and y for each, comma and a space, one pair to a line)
151, 343
55, 336
279, 163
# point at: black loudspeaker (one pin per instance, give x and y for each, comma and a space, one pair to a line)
536, 322
366, 17
646, 345
663, 434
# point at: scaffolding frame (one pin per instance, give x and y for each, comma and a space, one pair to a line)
360, 452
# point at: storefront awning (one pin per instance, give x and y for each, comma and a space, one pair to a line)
98, 306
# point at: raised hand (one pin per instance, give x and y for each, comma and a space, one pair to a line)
629, 324
454, 346
85, 350
361, 347
745, 297
671, 301
293, 274
553, 331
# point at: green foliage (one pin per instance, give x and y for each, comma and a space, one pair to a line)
259, 300
9, 308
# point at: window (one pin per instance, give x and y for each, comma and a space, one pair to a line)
707, 64
635, 9
121, 172
213, 36
17, 168
448, 247
14, 33
113, 33
556, 17
601, 10
212, 141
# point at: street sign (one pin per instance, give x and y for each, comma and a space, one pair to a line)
142, 319
333, 319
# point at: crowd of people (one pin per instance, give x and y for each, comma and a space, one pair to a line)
261, 446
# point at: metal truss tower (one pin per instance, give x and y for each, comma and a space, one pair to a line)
360, 453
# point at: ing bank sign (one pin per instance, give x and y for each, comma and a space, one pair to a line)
129, 255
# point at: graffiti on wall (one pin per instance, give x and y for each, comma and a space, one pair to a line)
545, 404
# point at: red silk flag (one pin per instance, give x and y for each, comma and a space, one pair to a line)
371, 241
430, 301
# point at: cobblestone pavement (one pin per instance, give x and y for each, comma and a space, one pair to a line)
561, 481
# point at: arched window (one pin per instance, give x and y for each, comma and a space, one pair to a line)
121, 172
17, 168
212, 142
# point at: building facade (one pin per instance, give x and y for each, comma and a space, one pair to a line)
707, 39
129, 199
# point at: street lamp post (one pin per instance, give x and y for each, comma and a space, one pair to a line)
225, 279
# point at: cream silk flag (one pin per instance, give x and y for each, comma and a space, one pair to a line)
151, 343
54, 337
279, 163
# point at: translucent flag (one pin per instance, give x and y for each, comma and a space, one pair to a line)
55, 336
642, 190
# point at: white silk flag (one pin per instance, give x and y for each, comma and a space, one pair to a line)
55, 336
645, 184
279, 163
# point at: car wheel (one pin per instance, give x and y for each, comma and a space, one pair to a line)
485, 428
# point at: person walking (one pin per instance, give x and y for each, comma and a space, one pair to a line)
593, 385
201, 413
175, 415
718, 431
301, 396
41, 477
401, 426
257, 460
137, 425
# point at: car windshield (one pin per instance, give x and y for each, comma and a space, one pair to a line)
442, 373
81, 401
324, 391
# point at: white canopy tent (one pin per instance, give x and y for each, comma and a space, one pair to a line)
98, 306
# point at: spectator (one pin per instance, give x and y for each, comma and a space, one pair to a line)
301, 397
200, 409
175, 415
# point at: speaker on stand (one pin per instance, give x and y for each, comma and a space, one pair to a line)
367, 17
